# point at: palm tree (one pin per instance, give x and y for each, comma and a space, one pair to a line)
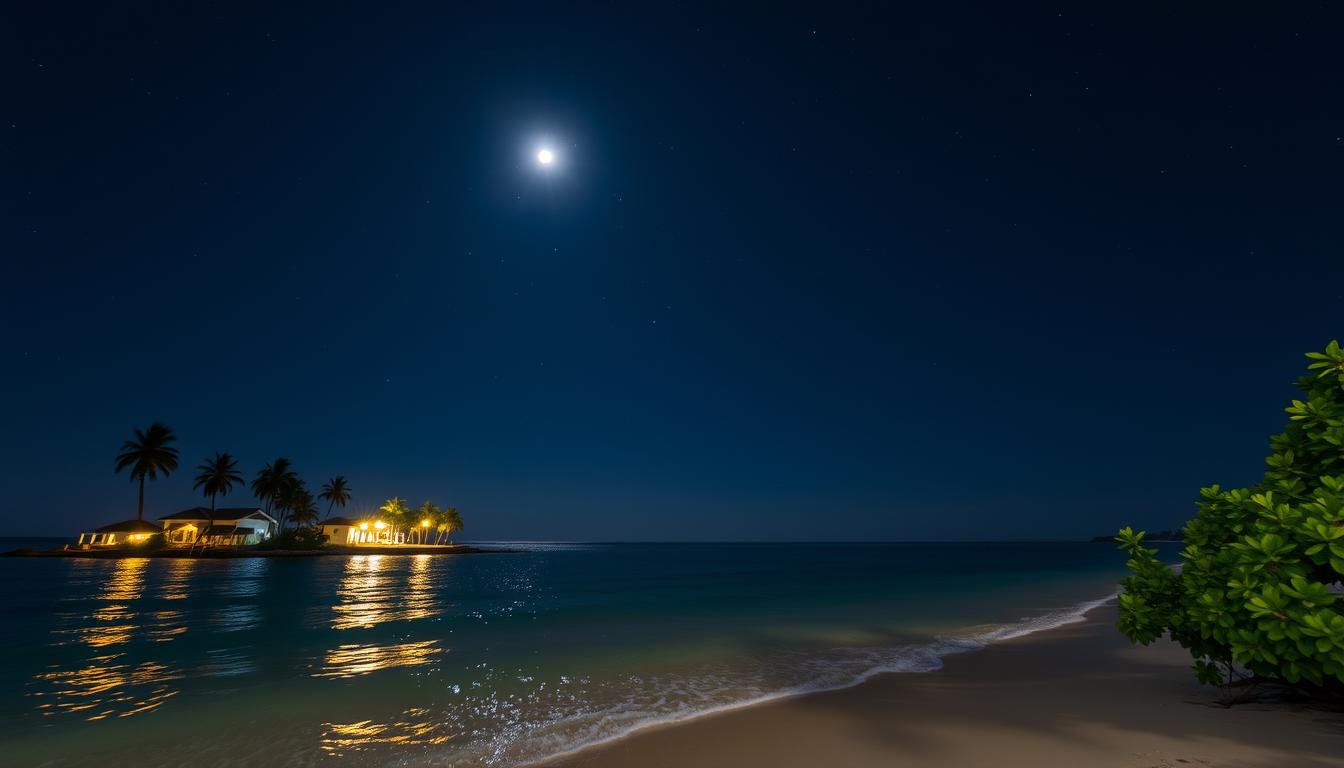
336, 492
272, 480
148, 454
217, 477
451, 520
426, 516
290, 497
303, 508
395, 513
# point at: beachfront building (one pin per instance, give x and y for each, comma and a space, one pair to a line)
340, 530
377, 532
369, 532
228, 527
118, 534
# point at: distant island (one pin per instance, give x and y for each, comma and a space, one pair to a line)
288, 521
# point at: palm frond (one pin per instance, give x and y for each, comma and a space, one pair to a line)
149, 453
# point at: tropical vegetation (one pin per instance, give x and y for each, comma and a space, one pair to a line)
147, 455
296, 538
273, 481
1257, 596
217, 476
283, 494
401, 523
336, 492
448, 523
296, 505
436, 520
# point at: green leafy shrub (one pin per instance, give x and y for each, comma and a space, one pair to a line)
1258, 589
298, 538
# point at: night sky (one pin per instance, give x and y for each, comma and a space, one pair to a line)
942, 272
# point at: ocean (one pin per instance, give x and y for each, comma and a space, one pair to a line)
484, 659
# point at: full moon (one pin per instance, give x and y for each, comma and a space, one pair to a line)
545, 156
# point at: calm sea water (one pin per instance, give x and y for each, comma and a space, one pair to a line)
496, 659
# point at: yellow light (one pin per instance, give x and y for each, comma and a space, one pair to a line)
424, 523
380, 525
190, 527
363, 526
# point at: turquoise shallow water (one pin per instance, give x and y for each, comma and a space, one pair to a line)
496, 659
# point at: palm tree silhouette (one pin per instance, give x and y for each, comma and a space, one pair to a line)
336, 492
451, 521
292, 497
298, 504
272, 481
305, 510
148, 454
217, 477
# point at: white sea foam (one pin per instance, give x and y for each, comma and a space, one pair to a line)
653, 702
1046, 621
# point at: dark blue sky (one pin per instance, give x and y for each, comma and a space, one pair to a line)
955, 271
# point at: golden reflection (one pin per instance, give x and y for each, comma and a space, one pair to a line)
412, 729
127, 579
177, 580
113, 622
106, 632
167, 625
419, 598
356, 660
362, 594
108, 685
103, 688
370, 593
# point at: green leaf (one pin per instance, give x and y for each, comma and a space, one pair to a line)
1258, 562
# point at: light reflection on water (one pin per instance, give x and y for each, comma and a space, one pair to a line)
113, 618
140, 604
413, 728
235, 618
469, 661
166, 625
177, 579
356, 660
107, 684
104, 687
246, 578
371, 593
126, 581
227, 663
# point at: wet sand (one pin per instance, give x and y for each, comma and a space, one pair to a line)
1071, 697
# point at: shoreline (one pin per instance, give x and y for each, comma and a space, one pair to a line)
228, 554
941, 649
1074, 671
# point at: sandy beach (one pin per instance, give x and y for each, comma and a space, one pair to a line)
1078, 695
